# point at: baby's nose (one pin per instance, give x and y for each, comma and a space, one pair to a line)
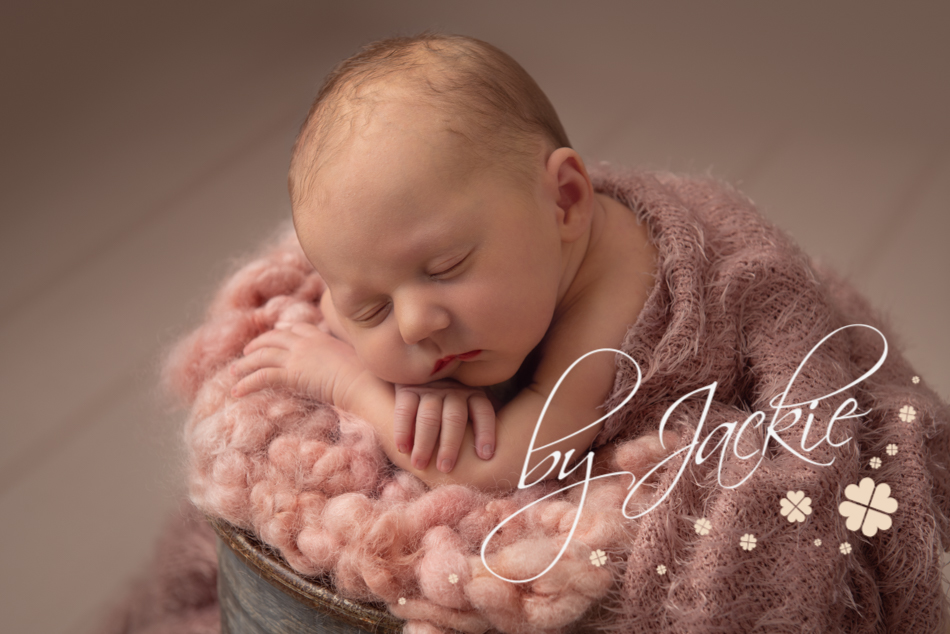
419, 319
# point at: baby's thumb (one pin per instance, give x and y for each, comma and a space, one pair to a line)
304, 329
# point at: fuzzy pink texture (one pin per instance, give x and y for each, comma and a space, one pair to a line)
735, 302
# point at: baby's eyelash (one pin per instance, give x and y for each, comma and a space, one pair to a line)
448, 270
376, 313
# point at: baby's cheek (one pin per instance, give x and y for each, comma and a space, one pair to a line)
394, 372
388, 361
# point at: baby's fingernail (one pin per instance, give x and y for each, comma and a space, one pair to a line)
421, 464
486, 451
446, 465
402, 448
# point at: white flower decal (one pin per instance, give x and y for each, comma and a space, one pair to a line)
916, 380
845, 548
875, 462
817, 542
402, 600
795, 506
748, 541
908, 414
703, 526
598, 557
453, 578
891, 449
661, 569
868, 507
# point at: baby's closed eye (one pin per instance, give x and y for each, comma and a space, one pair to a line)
449, 270
372, 317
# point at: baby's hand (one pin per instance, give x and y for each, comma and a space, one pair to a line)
303, 359
441, 410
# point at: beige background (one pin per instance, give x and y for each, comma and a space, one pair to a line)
145, 144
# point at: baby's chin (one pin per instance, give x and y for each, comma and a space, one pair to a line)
474, 374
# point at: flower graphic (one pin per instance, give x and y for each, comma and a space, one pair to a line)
453, 578
661, 569
916, 380
875, 462
868, 507
598, 557
747, 542
795, 506
891, 449
845, 548
817, 542
907, 413
703, 526
402, 600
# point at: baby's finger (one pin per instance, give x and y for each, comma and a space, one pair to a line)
270, 339
454, 420
404, 419
256, 381
428, 422
305, 329
483, 424
258, 359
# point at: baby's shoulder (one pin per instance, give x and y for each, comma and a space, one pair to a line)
612, 286
626, 264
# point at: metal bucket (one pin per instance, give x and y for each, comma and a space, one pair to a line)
260, 594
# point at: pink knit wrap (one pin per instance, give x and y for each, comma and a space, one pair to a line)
736, 303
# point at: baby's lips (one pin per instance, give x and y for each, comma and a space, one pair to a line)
441, 363
465, 356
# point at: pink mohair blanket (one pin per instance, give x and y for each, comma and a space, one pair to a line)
804, 544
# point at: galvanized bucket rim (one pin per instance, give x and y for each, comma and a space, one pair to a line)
309, 591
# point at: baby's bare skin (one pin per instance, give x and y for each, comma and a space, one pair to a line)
445, 406
434, 260
613, 289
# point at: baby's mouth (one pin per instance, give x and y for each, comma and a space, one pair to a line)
444, 361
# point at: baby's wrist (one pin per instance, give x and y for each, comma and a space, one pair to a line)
350, 393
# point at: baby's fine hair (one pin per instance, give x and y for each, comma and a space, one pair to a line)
491, 101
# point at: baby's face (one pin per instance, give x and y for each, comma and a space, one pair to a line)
435, 271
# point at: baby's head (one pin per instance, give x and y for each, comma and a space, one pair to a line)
427, 185
494, 109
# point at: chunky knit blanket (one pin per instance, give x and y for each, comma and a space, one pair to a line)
802, 485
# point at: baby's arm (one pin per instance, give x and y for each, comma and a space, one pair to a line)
324, 368
575, 406
307, 360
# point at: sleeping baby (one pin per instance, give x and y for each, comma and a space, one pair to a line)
465, 254
469, 261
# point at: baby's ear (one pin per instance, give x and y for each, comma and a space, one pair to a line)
575, 193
